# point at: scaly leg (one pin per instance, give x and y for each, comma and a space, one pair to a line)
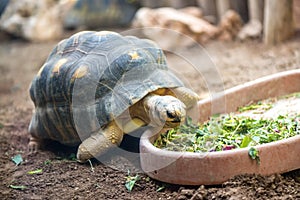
187, 96
98, 143
134, 124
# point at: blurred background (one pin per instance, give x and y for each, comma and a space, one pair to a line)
245, 39
203, 20
240, 40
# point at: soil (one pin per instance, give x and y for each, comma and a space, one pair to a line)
63, 178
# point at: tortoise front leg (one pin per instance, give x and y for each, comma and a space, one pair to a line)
187, 96
98, 143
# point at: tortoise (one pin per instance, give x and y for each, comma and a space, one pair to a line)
96, 86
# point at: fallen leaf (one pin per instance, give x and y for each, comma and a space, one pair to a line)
17, 159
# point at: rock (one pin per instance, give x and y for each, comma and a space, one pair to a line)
181, 197
175, 26
230, 25
35, 20
251, 30
197, 197
187, 192
192, 10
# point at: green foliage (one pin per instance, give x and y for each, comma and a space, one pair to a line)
232, 131
257, 106
227, 132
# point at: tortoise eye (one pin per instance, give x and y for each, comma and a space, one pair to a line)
170, 115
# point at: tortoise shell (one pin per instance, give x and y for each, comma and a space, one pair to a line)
91, 78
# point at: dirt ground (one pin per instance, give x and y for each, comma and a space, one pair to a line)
63, 178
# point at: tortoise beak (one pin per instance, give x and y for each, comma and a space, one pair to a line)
175, 116
177, 119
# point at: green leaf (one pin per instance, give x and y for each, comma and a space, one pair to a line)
72, 157
91, 165
254, 154
256, 139
131, 181
17, 159
246, 141
18, 187
47, 162
37, 171
161, 188
258, 105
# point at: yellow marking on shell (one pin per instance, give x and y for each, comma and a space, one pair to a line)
58, 65
103, 33
134, 55
40, 70
159, 60
164, 91
80, 72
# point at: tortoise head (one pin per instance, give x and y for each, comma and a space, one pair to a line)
165, 111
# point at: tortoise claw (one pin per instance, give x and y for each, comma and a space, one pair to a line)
33, 145
83, 155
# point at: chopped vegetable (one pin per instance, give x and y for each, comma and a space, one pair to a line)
258, 106
47, 162
161, 188
91, 165
131, 181
37, 171
254, 154
17, 159
18, 187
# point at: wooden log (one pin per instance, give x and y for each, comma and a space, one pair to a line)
256, 10
241, 7
278, 21
222, 7
151, 3
180, 4
208, 7
209, 10
168, 3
